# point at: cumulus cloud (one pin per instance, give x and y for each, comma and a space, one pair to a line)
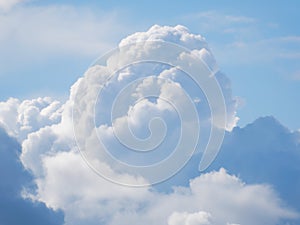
199, 218
20, 118
49, 151
167, 85
213, 198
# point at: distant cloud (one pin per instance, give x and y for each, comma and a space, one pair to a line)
6, 5
265, 151
220, 18
15, 209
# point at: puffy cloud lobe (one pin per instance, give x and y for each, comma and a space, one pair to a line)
15, 209
178, 35
225, 197
21, 118
9, 115
86, 202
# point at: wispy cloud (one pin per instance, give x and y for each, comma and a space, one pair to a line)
245, 40
6, 5
216, 21
296, 75
259, 51
58, 29
220, 17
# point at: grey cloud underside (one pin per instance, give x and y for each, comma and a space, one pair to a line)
14, 210
262, 152
265, 152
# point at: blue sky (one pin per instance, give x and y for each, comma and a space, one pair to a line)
256, 45
47, 128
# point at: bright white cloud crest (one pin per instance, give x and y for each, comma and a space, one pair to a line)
148, 82
159, 100
199, 218
22, 118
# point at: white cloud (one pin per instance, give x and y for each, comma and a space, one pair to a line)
213, 198
9, 114
178, 35
22, 118
116, 106
64, 180
198, 218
